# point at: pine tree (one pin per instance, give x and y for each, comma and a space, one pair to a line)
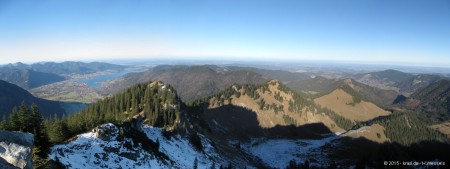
39, 131
213, 165
14, 120
4, 125
195, 164
23, 118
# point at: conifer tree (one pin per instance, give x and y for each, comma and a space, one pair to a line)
23, 118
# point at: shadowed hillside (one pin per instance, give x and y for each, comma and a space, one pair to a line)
274, 104
12, 96
432, 101
28, 79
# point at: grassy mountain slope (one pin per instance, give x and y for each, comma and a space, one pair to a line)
380, 97
374, 132
349, 106
320, 86
270, 109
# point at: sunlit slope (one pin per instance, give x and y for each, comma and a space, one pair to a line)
349, 107
272, 104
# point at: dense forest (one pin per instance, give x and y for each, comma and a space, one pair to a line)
158, 102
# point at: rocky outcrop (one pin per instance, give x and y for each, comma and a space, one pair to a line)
15, 149
137, 121
5, 165
106, 132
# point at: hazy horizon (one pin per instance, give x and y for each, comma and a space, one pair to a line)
406, 33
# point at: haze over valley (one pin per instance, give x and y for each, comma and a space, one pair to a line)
224, 84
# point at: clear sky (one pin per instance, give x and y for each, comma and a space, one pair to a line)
415, 32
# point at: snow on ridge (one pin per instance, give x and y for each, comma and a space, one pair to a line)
90, 151
182, 152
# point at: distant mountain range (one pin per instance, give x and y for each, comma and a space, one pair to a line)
285, 77
40, 74
67, 67
404, 83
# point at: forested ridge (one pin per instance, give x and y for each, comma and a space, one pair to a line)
406, 128
297, 104
158, 102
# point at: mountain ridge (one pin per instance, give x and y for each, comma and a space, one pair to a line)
404, 83
193, 82
27, 78
67, 67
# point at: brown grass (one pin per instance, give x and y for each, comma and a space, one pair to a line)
444, 128
340, 102
269, 119
374, 133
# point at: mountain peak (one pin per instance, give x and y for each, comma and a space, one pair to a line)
274, 82
18, 65
349, 82
156, 83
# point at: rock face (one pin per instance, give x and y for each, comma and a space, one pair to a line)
137, 121
15, 149
106, 132
5, 165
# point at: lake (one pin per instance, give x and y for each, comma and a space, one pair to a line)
96, 82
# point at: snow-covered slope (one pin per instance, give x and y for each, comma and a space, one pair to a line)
180, 150
88, 150
276, 153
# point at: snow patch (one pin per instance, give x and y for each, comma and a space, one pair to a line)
281, 151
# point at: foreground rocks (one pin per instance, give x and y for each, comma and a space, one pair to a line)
15, 149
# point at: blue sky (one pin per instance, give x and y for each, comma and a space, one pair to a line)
404, 32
